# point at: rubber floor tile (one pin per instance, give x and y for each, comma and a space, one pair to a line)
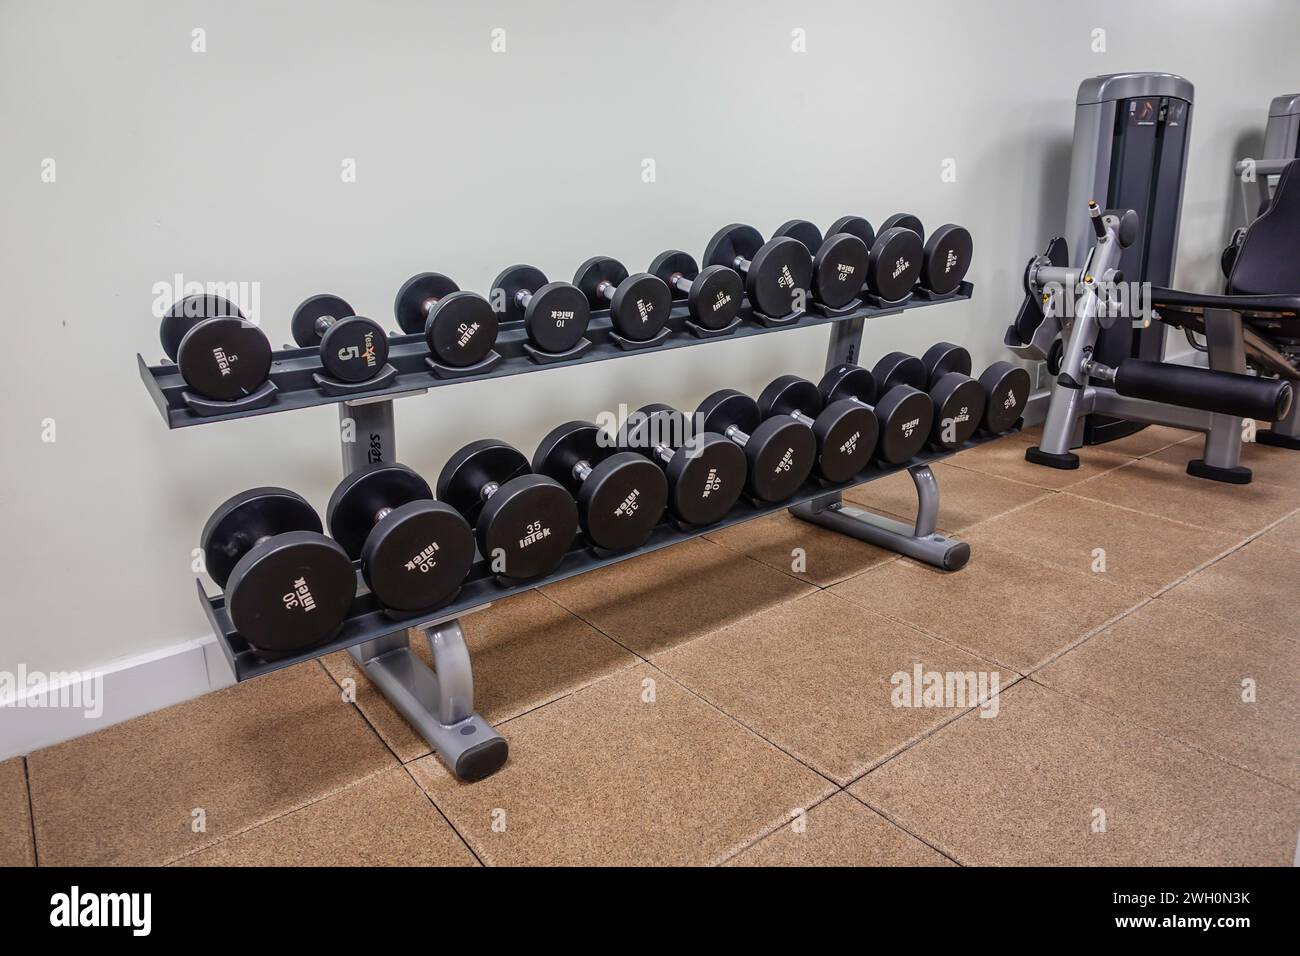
817, 678
840, 832
1258, 585
384, 821
526, 651
1285, 535
1015, 610
1052, 781
1148, 441
1231, 691
674, 595
16, 847
168, 783
633, 770
1133, 548
1274, 466
965, 497
1163, 489
813, 554
1005, 458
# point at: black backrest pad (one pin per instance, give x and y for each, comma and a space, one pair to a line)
1268, 262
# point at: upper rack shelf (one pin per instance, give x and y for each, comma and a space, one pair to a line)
295, 372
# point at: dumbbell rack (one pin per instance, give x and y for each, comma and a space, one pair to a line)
439, 703
297, 378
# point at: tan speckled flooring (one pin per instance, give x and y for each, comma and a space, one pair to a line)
718, 702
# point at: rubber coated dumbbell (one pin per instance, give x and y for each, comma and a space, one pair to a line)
459, 327
705, 471
555, 314
415, 552
946, 259
839, 262
352, 348
287, 586
895, 260
904, 220
957, 398
638, 304
903, 414
779, 451
846, 431
621, 495
713, 296
777, 273
946, 256
1005, 386
220, 354
524, 523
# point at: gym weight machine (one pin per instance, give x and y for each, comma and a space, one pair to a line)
1213, 401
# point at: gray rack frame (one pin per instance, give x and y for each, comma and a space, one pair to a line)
439, 702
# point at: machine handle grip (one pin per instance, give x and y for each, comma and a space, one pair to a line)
1228, 393
1094, 213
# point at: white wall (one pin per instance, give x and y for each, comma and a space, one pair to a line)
226, 166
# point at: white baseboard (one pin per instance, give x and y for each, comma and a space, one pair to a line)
39, 710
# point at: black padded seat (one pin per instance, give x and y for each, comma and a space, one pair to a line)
1175, 299
1265, 276
1268, 262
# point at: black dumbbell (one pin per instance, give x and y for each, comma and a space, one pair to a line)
839, 262
621, 495
1005, 387
895, 259
705, 471
957, 398
777, 273
459, 327
352, 348
415, 552
220, 354
846, 431
638, 304
287, 586
524, 523
903, 414
945, 257
779, 451
904, 220
713, 296
555, 314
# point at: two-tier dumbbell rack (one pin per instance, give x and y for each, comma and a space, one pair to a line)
439, 703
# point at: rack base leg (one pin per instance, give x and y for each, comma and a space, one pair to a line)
919, 541
438, 703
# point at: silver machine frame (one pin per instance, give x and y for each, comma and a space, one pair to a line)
1072, 397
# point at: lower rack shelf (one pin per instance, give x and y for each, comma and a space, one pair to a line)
366, 621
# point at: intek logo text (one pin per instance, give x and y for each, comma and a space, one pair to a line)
300, 597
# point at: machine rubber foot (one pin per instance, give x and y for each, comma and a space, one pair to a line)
1239, 475
1067, 461
1277, 440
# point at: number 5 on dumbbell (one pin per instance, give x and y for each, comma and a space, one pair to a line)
352, 349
